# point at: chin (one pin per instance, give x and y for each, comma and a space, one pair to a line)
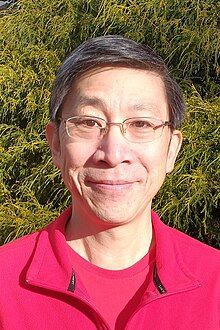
114, 217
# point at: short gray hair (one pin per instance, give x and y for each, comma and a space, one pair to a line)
115, 50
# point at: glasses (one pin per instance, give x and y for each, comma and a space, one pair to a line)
137, 130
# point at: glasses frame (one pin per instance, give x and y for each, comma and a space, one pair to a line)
104, 130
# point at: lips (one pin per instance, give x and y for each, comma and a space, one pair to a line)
110, 185
111, 182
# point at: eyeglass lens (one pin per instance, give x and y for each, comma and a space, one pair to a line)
134, 129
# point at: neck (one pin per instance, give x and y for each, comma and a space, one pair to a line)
110, 246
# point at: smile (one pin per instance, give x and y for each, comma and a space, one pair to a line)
118, 185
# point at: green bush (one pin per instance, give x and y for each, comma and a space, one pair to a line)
37, 35
189, 199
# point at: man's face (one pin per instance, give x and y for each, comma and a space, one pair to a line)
112, 179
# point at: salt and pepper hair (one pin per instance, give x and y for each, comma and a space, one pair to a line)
113, 50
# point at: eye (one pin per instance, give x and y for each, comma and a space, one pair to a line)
87, 122
140, 124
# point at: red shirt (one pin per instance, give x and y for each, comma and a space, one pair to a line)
40, 288
119, 288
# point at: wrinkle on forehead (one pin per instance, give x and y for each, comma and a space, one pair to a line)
110, 95
138, 109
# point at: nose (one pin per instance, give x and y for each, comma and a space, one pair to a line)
113, 148
109, 124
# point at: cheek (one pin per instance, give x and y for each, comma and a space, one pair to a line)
154, 160
74, 158
76, 154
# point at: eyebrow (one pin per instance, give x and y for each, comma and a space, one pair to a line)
145, 107
84, 100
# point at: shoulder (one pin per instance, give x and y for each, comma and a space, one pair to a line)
199, 259
189, 247
189, 243
203, 259
14, 255
17, 244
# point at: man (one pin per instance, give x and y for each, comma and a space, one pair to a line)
108, 262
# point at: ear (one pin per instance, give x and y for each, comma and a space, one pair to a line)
174, 147
53, 140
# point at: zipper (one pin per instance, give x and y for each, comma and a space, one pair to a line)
195, 286
159, 285
103, 326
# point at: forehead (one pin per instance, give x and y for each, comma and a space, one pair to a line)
132, 92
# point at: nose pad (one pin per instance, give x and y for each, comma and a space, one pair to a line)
113, 148
123, 130
106, 129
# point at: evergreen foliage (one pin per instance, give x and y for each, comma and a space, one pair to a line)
37, 35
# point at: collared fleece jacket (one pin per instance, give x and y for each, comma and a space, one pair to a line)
39, 290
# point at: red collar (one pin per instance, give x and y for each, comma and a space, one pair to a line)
51, 267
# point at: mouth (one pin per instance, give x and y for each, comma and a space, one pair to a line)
112, 185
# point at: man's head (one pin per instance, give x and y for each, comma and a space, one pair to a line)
114, 51
112, 133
